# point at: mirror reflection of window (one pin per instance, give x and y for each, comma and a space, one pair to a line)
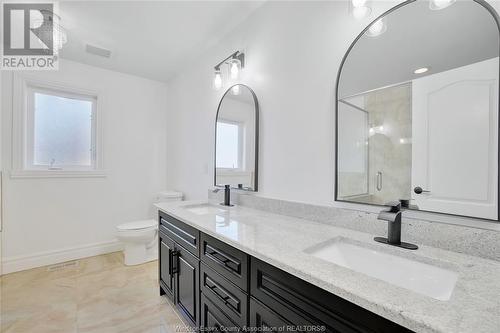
236, 139
229, 150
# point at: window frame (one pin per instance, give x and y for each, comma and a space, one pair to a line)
24, 87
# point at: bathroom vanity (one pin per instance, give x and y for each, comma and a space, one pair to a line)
240, 267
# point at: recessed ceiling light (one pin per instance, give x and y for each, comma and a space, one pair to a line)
421, 70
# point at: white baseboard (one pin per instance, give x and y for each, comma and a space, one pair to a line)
21, 263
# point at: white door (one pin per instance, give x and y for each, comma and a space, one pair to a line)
455, 140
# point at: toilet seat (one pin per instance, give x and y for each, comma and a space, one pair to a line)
138, 225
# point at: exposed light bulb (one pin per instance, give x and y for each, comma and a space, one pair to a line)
440, 4
217, 80
421, 70
377, 28
359, 9
234, 69
359, 3
235, 90
360, 12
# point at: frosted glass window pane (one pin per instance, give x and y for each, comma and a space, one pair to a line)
62, 131
227, 145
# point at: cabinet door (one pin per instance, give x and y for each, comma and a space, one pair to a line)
212, 318
187, 288
165, 267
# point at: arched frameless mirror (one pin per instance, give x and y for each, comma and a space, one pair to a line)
417, 110
236, 139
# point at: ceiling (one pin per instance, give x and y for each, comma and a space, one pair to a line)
152, 39
416, 37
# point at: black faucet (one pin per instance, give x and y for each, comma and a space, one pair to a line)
393, 217
227, 195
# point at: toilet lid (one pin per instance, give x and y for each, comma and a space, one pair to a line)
136, 225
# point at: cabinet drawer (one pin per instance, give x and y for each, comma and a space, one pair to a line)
226, 260
183, 234
287, 294
212, 318
229, 298
265, 320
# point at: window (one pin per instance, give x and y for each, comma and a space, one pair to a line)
229, 145
60, 131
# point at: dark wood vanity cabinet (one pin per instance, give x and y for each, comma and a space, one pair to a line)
179, 266
300, 303
216, 286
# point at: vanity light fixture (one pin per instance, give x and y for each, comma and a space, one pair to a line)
234, 69
377, 28
217, 79
236, 61
421, 70
359, 9
440, 4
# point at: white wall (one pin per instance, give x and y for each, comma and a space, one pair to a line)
50, 220
293, 53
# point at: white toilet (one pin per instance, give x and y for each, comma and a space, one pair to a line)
140, 238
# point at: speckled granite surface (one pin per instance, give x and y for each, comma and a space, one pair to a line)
283, 241
457, 238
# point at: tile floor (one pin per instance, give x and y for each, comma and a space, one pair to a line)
95, 295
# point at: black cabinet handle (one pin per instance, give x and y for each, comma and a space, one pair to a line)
419, 190
174, 262
170, 270
222, 294
223, 259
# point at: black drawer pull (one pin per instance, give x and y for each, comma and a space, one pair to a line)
179, 232
222, 294
222, 259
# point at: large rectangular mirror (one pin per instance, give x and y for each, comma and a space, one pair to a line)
417, 110
236, 139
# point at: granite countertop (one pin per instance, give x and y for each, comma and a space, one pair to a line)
284, 241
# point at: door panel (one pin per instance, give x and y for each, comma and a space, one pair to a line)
187, 286
455, 140
166, 249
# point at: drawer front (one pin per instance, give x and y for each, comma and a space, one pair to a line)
284, 292
264, 319
183, 234
212, 318
229, 298
226, 260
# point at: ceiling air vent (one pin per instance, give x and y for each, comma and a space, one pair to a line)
98, 51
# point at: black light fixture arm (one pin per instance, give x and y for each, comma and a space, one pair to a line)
236, 55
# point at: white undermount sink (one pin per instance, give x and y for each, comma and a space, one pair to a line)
429, 280
204, 209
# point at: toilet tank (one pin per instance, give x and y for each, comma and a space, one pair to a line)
167, 196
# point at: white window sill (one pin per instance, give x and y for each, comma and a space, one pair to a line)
19, 174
